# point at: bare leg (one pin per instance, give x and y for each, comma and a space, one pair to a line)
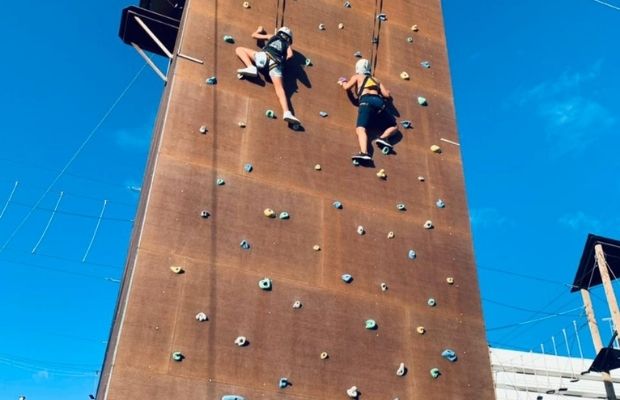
246, 55
389, 132
278, 85
362, 138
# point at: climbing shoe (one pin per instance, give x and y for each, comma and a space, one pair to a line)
382, 143
361, 156
290, 118
249, 71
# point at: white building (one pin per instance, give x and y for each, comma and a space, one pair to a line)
531, 376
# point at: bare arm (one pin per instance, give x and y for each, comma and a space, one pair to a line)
350, 83
260, 34
384, 91
289, 53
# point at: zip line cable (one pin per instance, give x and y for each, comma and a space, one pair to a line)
92, 239
525, 276
607, 4
9, 199
49, 222
535, 320
73, 157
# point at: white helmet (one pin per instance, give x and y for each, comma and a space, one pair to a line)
362, 67
287, 32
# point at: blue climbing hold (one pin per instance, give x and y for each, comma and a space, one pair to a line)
337, 204
449, 355
401, 207
265, 284
425, 64
371, 324
245, 245
412, 255
440, 203
178, 356
248, 167
229, 39
431, 302
346, 278
406, 124
212, 81
283, 383
284, 215
382, 17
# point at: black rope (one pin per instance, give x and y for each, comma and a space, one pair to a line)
280, 16
277, 12
376, 32
283, 9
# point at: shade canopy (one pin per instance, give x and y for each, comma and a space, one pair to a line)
587, 274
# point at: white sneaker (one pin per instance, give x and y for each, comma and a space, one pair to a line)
290, 118
249, 71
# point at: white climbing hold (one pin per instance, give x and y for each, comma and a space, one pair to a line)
415, 28
347, 4
201, 317
321, 27
421, 330
241, 341
381, 174
404, 76
203, 129
450, 280
360, 230
352, 392
246, 4
242, 124
341, 26
421, 178
204, 214
357, 54
383, 286
324, 355
317, 167
176, 269
409, 39
316, 247
428, 224
391, 235
435, 149
323, 114
297, 304
401, 370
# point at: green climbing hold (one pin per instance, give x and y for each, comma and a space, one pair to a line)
283, 383
284, 215
431, 302
265, 284
385, 150
248, 167
401, 207
229, 39
211, 81
270, 114
371, 324
220, 181
435, 373
422, 101
178, 356
308, 62
337, 204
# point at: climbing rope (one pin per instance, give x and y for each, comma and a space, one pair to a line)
376, 29
280, 16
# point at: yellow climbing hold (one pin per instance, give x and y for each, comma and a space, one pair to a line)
415, 28
450, 280
341, 26
435, 149
316, 247
246, 4
269, 213
421, 330
317, 167
404, 76
324, 355
176, 269
242, 124
381, 174
391, 235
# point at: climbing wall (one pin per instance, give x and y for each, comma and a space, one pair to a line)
264, 264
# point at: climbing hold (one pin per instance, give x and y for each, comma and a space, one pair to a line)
352, 392
229, 39
342, 80
450, 280
220, 181
211, 80
435, 149
402, 370
383, 286
316, 247
204, 214
356, 163
425, 64
371, 324
245, 245
381, 174
431, 302
176, 269
421, 330
422, 101
323, 114
421, 178
337, 204
283, 383
435, 373
308, 62
201, 317
401, 207
270, 114
324, 355
233, 396
382, 17
346, 278
409, 39
203, 129
241, 341
386, 150
414, 28
341, 26
248, 167
357, 54
246, 4
265, 284
449, 355
404, 76
321, 27
390, 235
317, 167
178, 356
440, 203
411, 255
428, 224
269, 213
347, 4
241, 124
297, 304
360, 230
284, 215
406, 124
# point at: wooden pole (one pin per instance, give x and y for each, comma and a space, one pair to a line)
596, 340
609, 290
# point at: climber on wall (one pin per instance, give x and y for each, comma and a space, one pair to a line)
273, 56
373, 99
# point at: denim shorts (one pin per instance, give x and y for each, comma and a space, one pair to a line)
262, 60
372, 111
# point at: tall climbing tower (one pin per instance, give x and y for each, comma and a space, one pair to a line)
356, 279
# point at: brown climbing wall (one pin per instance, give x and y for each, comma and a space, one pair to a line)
157, 308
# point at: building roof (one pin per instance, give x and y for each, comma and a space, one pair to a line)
587, 274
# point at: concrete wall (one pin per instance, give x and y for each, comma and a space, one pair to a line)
155, 315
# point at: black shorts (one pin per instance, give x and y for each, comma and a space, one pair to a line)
374, 112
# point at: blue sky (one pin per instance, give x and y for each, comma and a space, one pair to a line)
535, 87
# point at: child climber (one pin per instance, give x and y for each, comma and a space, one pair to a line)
373, 97
272, 56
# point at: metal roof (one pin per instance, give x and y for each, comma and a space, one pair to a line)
587, 274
